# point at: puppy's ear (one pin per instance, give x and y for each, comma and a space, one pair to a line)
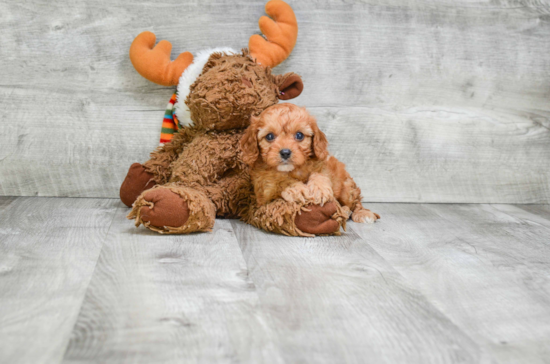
249, 142
290, 85
320, 142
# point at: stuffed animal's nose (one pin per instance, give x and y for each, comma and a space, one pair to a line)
285, 153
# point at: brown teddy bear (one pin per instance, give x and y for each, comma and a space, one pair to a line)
199, 174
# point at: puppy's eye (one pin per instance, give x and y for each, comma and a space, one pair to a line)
269, 137
299, 136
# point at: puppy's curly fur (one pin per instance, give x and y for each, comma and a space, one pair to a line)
289, 159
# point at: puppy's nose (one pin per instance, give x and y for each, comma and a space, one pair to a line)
285, 153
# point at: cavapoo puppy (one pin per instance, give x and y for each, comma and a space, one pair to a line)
289, 159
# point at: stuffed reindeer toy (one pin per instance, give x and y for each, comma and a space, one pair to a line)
198, 173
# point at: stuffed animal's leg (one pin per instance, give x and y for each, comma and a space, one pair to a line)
137, 180
322, 220
298, 219
174, 209
155, 171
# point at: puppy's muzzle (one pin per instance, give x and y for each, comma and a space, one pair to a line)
285, 153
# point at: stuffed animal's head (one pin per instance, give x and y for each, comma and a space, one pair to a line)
221, 89
232, 88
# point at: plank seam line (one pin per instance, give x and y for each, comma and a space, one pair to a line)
88, 284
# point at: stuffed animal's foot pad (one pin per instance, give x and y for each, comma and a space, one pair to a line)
174, 209
364, 216
319, 219
137, 180
163, 208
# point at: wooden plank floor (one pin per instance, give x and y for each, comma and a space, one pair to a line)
427, 284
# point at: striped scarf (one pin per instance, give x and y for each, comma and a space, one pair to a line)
170, 123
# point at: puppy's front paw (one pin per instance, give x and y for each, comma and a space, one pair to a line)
364, 216
320, 193
296, 193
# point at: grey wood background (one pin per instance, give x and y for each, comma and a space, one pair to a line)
426, 101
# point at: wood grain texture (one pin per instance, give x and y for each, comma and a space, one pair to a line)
428, 283
486, 267
170, 299
426, 101
440, 155
48, 250
334, 299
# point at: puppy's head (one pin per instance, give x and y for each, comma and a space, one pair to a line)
284, 136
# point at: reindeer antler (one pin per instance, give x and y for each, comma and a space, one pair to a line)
281, 34
154, 64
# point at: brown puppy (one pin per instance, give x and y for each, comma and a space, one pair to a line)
289, 159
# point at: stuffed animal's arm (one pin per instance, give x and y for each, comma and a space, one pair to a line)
206, 158
162, 158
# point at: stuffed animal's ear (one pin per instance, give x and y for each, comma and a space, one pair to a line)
320, 142
290, 85
249, 142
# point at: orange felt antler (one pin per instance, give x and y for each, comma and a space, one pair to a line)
154, 64
281, 34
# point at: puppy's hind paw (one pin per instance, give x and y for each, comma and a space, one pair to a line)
364, 216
